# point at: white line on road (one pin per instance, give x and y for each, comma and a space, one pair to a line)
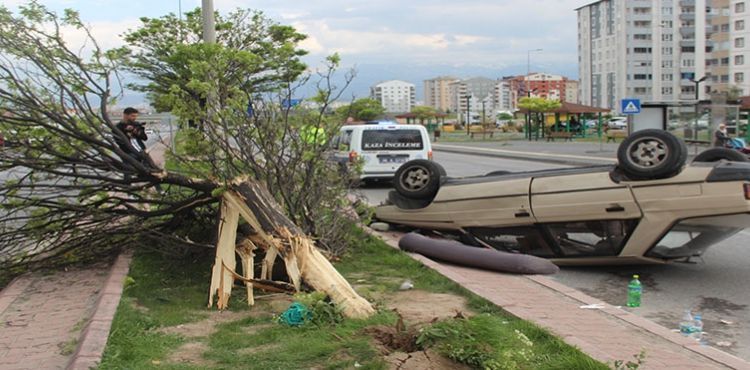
523, 153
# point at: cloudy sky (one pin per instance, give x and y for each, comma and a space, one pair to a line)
389, 39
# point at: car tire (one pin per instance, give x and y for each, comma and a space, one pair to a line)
418, 179
651, 154
717, 154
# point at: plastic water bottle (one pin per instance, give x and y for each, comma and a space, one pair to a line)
697, 330
686, 325
634, 292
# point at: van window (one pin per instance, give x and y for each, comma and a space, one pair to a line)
392, 140
346, 141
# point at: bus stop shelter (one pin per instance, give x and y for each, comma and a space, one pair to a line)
569, 110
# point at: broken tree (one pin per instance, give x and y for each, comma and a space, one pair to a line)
278, 236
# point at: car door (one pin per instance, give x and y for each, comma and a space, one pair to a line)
581, 197
488, 202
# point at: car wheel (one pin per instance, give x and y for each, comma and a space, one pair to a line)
418, 179
651, 154
717, 154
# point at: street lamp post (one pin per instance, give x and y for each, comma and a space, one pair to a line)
697, 101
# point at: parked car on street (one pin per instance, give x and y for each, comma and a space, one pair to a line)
648, 208
618, 123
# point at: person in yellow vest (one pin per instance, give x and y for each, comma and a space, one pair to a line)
312, 134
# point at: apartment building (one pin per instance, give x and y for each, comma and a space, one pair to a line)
395, 96
647, 49
511, 88
475, 94
437, 92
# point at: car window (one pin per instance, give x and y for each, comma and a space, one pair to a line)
591, 238
691, 237
526, 240
342, 142
392, 140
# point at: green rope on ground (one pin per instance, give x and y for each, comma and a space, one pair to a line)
295, 315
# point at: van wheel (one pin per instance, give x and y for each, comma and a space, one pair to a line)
418, 179
651, 154
717, 154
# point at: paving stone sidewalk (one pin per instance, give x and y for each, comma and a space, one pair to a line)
607, 334
42, 316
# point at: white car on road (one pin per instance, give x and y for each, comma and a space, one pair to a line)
618, 123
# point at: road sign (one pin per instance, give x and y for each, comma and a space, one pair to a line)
630, 106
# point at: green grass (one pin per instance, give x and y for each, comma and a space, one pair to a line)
162, 292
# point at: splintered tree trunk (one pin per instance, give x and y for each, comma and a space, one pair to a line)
278, 236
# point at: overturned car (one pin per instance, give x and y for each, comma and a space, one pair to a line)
648, 208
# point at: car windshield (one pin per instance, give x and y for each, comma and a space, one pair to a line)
691, 237
392, 140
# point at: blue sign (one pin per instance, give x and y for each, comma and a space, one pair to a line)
288, 103
630, 106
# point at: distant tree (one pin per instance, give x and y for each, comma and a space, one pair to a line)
423, 113
167, 54
364, 109
504, 116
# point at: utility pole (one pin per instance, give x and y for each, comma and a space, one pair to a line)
468, 113
209, 26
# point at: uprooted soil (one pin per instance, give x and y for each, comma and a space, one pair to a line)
419, 307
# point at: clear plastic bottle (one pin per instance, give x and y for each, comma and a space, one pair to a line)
697, 330
634, 292
686, 325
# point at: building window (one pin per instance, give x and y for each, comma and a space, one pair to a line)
666, 51
739, 60
688, 49
725, 27
642, 50
666, 64
642, 36
739, 42
739, 77
666, 37
688, 62
666, 77
666, 91
724, 78
739, 7
739, 25
725, 61
640, 77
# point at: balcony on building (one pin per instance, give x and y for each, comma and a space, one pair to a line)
687, 16
688, 32
687, 2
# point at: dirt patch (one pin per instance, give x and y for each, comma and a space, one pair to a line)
190, 353
421, 360
206, 326
421, 307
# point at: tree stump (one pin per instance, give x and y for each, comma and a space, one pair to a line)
278, 236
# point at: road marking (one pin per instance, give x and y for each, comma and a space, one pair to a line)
523, 153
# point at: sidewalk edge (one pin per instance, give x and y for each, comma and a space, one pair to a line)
710, 353
93, 338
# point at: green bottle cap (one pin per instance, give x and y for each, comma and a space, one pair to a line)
635, 276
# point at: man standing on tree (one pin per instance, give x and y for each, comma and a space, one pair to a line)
135, 134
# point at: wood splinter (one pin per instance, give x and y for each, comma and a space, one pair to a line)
278, 236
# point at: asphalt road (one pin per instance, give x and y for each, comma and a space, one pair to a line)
714, 286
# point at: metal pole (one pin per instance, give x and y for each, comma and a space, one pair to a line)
209, 27
468, 112
697, 104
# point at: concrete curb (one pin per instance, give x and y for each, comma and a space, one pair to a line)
710, 353
94, 336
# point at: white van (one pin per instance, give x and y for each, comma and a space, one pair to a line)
382, 148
